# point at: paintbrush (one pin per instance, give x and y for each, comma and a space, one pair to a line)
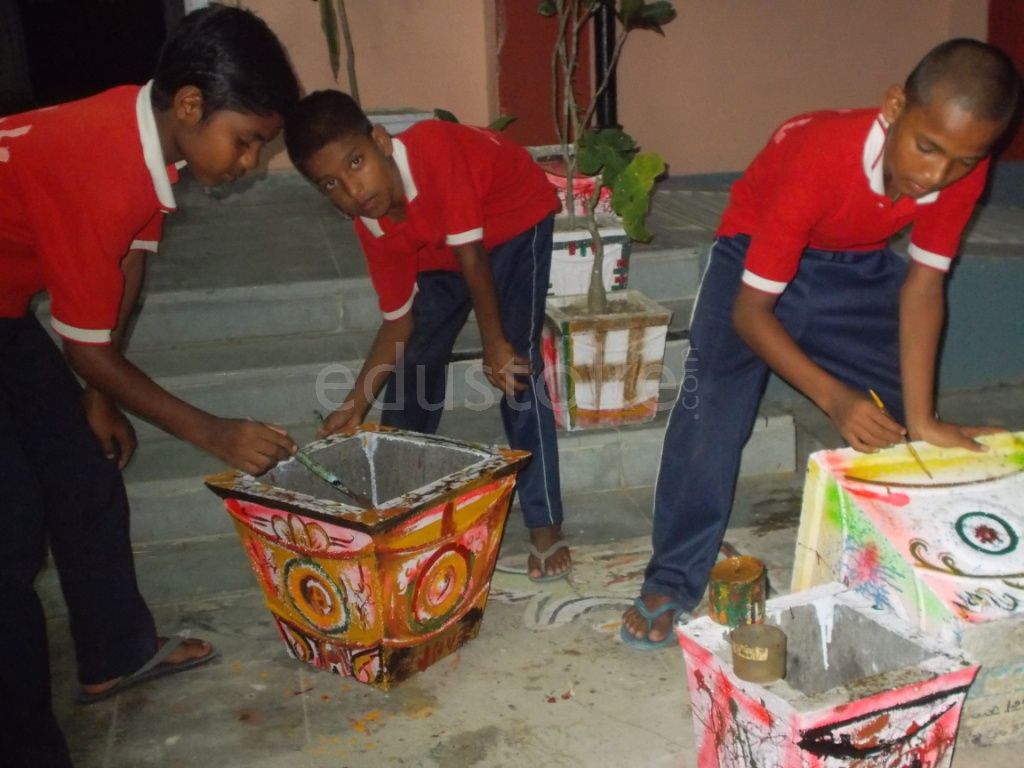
326, 475
332, 479
906, 437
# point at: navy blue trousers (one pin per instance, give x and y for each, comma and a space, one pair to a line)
59, 487
414, 396
842, 308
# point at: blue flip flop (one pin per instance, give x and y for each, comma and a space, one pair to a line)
643, 643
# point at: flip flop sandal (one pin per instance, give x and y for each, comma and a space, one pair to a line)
543, 558
156, 667
643, 643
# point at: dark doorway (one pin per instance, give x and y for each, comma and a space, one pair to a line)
74, 48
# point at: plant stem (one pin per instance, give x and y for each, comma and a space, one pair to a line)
597, 298
350, 53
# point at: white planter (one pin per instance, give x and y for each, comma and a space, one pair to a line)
604, 370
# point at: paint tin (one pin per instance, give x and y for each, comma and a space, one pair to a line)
758, 653
736, 592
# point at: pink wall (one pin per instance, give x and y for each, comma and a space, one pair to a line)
740, 67
707, 95
409, 53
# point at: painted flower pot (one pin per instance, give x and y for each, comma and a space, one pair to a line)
381, 592
943, 553
604, 370
861, 688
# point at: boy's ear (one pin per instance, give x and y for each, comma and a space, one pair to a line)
188, 104
894, 102
382, 139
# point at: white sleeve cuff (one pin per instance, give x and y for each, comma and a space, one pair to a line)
82, 335
471, 236
929, 259
144, 245
404, 309
763, 283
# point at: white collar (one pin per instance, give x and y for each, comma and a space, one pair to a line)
874, 147
151, 150
401, 157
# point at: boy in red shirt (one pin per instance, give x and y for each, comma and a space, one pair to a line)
84, 187
800, 281
451, 218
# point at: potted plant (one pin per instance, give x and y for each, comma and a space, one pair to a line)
603, 357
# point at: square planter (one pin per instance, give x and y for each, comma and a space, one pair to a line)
376, 594
604, 370
862, 688
944, 554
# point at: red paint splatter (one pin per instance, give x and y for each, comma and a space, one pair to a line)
892, 499
866, 564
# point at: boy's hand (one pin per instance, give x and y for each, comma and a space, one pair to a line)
862, 423
946, 435
249, 445
504, 368
347, 416
111, 427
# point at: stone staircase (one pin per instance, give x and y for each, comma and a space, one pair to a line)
259, 305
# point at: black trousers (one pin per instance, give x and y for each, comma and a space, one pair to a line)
57, 486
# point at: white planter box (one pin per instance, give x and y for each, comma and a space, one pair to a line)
604, 370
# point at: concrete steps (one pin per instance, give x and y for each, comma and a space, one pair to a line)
259, 306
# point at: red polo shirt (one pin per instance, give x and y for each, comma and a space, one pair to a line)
462, 185
81, 184
819, 184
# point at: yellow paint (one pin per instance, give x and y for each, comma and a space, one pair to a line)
370, 717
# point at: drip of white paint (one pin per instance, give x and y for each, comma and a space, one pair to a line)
370, 448
826, 613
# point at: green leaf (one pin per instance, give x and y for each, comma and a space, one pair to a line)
631, 193
630, 12
637, 14
329, 24
444, 114
607, 152
503, 122
547, 8
658, 14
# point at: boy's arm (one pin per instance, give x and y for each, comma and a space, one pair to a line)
502, 366
111, 427
379, 364
110, 378
861, 423
922, 313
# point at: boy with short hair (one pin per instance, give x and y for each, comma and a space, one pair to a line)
800, 281
451, 218
84, 187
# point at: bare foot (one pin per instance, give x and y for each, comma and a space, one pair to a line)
188, 650
637, 625
558, 562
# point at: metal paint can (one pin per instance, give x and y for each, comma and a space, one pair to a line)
758, 653
737, 591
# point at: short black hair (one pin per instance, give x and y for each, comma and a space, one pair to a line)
978, 77
320, 118
232, 57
